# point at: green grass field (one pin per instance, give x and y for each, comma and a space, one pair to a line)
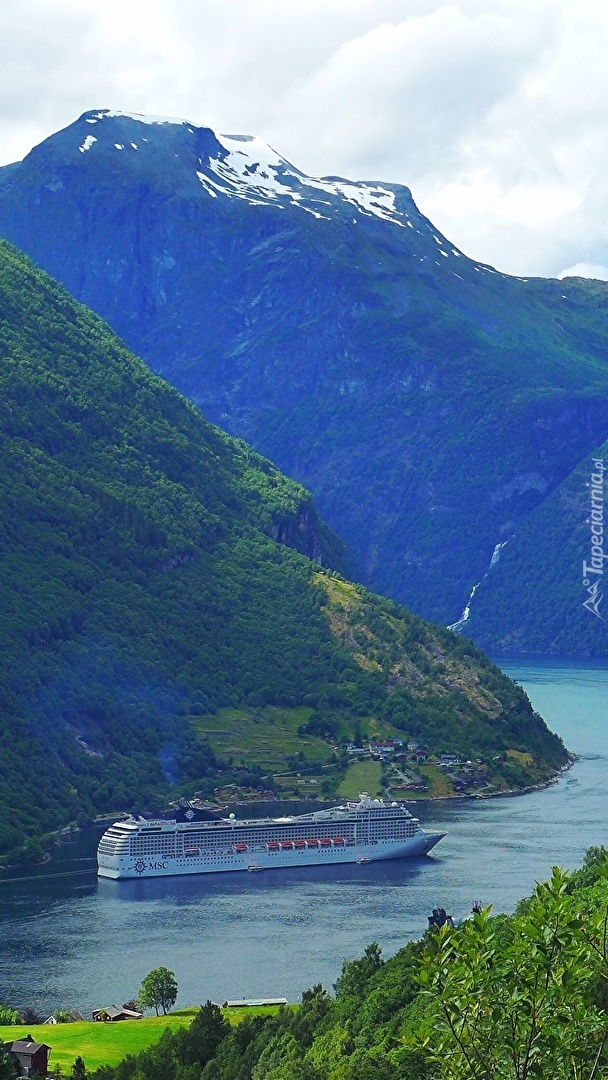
440, 784
265, 737
107, 1044
361, 776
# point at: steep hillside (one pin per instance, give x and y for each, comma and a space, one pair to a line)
537, 598
145, 586
428, 402
520, 997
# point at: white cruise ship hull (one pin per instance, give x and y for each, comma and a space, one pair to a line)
119, 867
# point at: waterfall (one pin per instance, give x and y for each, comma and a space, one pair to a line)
458, 625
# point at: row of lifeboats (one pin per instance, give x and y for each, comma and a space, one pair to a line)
300, 845
287, 845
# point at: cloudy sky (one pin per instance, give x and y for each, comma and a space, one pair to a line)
492, 111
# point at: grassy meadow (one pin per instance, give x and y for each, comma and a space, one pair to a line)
106, 1043
361, 776
266, 736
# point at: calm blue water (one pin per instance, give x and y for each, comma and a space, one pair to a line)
76, 941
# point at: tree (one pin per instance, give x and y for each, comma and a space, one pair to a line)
7, 1065
30, 1016
78, 1070
356, 973
8, 1016
158, 990
204, 1035
515, 998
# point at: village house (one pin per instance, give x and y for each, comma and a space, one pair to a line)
30, 1057
70, 1016
447, 761
111, 1013
386, 748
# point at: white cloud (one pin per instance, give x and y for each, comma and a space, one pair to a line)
492, 111
588, 270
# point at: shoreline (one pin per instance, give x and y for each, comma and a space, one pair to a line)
508, 793
60, 836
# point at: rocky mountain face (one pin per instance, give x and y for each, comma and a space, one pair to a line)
547, 593
430, 403
144, 588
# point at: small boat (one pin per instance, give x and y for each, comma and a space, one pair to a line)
240, 848
254, 867
361, 861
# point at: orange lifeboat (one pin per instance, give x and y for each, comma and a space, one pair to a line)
299, 843
273, 845
287, 845
240, 848
312, 843
338, 841
325, 841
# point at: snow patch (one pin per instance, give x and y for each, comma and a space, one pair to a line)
140, 117
253, 171
87, 144
207, 185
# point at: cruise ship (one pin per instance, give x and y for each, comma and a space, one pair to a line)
356, 832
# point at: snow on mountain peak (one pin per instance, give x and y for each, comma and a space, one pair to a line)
253, 171
142, 118
247, 168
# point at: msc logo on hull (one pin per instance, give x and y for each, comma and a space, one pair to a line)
141, 866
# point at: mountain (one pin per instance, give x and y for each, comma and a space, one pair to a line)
156, 570
429, 403
537, 597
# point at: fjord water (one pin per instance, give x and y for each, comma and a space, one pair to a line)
67, 939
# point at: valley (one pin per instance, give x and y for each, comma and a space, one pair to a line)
303, 456
156, 572
433, 406
230, 935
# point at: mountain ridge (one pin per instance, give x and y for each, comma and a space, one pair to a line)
429, 402
144, 589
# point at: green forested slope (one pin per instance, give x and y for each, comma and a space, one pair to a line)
143, 586
520, 997
429, 402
